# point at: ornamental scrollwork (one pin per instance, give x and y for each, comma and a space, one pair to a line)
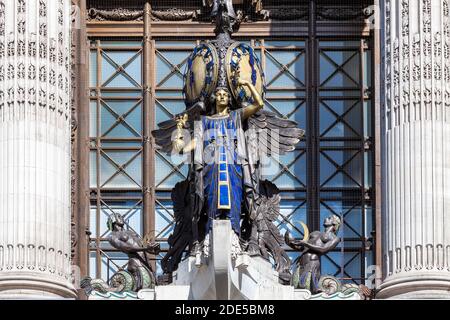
117, 14
343, 13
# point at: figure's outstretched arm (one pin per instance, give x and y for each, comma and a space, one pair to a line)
129, 248
330, 245
179, 144
247, 112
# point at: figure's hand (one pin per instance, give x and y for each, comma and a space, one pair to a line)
178, 142
242, 82
181, 121
154, 248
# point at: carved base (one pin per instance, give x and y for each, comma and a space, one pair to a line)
424, 285
27, 285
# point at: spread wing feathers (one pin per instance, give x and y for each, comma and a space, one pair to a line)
163, 138
163, 135
275, 134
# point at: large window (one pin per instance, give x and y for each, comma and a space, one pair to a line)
116, 139
322, 81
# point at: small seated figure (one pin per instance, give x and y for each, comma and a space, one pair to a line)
139, 274
138, 251
307, 274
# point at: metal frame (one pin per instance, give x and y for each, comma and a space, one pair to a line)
312, 32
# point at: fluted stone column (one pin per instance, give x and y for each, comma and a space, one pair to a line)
35, 149
416, 149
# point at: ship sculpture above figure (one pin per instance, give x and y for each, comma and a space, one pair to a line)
224, 134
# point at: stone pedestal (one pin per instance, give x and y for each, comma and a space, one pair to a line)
35, 123
416, 149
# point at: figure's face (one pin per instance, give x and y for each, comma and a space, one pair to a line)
222, 99
327, 222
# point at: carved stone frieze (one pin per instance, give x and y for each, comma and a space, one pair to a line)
340, 13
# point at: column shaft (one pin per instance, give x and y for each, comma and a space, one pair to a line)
416, 148
35, 115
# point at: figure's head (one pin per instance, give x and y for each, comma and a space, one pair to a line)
222, 99
115, 221
332, 221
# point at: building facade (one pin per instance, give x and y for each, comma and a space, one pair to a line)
369, 81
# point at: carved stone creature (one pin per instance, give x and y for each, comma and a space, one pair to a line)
139, 273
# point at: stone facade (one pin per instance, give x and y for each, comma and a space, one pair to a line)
35, 123
415, 150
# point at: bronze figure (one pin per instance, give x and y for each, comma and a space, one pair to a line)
307, 274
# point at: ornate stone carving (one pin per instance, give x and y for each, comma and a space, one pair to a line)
173, 15
343, 13
117, 14
415, 162
287, 13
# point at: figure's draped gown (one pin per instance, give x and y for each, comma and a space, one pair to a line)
222, 171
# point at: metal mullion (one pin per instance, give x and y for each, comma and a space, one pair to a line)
169, 89
175, 170
123, 116
339, 168
312, 192
285, 168
119, 68
148, 153
98, 269
121, 89
161, 105
168, 48
340, 118
120, 48
174, 71
121, 168
165, 208
281, 98
121, 149
284, 68
343, 48
286, 48
339, 139
290, 114
338, 67
363, 162
344, 148
288, 89
263, 49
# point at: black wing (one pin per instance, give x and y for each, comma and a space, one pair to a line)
163, 135
275, 134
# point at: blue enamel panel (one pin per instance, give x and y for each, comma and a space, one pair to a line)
224, 199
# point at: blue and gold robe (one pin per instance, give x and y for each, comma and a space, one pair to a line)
222, 171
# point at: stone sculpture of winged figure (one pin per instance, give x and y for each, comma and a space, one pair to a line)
224, 134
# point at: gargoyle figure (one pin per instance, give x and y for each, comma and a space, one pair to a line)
139, 273
307, 274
